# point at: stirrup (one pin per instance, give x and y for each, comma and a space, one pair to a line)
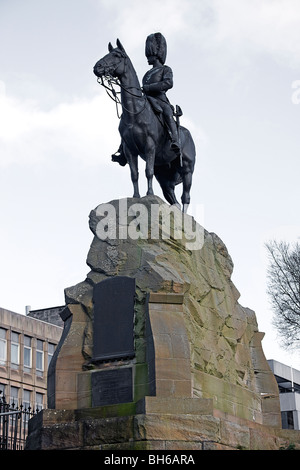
175, 146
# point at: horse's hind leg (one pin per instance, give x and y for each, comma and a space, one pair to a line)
187, 168
166, 178
186, 188
169, 193
168, 189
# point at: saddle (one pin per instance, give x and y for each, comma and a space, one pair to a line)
159, 111
155, 105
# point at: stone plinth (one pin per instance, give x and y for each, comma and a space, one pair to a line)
153, 424
196, 376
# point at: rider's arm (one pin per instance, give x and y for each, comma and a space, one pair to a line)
164, 84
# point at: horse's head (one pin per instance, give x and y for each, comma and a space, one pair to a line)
112, 64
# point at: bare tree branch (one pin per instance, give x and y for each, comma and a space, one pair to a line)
284, 289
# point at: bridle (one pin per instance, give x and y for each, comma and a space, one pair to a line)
107, 80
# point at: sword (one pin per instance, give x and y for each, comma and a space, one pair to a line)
178, 113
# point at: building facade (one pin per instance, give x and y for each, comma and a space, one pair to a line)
288, 380
27, 345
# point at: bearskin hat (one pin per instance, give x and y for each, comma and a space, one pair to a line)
156, 45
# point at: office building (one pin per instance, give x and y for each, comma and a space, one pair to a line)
27, 345
288, 380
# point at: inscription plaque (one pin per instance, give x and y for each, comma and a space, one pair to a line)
113, 319
111, 387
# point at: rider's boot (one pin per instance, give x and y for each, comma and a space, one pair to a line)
119, 156
173, 134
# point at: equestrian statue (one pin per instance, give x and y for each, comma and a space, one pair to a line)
147, 125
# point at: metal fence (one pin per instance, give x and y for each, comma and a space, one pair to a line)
14, 424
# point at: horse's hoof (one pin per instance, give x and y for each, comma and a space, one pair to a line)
136, 195
150, 192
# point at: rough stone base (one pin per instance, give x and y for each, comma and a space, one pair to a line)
196, 374
191, 336
154, 424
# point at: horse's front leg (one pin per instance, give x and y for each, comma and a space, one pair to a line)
150, 158
134, 171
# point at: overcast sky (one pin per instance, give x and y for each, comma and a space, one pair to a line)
236, 64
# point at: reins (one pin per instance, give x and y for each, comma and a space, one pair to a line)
110, 90
113, 94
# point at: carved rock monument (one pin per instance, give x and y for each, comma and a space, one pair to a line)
156, 352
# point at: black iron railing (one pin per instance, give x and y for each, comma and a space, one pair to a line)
14, 424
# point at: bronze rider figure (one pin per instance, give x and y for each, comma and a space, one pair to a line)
156, 82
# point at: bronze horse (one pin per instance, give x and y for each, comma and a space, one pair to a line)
144, 134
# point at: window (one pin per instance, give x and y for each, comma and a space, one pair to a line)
39, 401
15, 350
14, 396
287, 420
2, 346
2, 392
14, 402
39, 357
26, 399
51, 349
27, 353
26, 407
